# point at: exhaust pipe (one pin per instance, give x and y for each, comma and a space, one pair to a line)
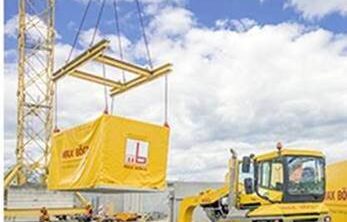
233, 183
234, 213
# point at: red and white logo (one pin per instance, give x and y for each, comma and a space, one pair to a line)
136, 152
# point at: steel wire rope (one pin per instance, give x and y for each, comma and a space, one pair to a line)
139, 11
166, 83
56, 129
120, 45
79, 30
92, 42
166, 101
97, 22
105, 89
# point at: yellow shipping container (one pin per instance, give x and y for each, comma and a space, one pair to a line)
110, 153
336, 195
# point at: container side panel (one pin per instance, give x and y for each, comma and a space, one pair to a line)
112, 153
75, 158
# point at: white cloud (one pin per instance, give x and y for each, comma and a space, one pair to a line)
254, 87
35, 31
85, 40
172, 21
238, 25
11, 26
318, 8
244, 89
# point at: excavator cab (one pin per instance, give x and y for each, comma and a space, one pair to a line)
289, 178
285, 185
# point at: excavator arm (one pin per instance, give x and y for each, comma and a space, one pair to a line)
207, 197
212, 199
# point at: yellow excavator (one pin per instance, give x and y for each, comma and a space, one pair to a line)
286, 185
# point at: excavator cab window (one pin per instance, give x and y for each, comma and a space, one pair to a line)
271, 174
276, 181
291, 179
306, 178
270, 179
264, 174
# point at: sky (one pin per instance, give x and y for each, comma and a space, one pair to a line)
247, 74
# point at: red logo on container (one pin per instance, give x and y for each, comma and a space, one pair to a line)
136, 153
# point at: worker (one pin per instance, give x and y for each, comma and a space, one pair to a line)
44, 217
296, 173
88, 216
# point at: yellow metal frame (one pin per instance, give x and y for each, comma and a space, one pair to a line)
96, 53
81, 59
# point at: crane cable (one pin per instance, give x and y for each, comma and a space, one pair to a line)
91, 43
166, 101
166, 81
120, 45
139, 11
105, 89
149, 59
97, 22
56, 129
79, 30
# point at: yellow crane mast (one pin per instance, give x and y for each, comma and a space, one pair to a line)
35, 101
35, 89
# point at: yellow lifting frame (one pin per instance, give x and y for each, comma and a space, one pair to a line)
95, 79
96, 53
123, 65
80, 60
158, 72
